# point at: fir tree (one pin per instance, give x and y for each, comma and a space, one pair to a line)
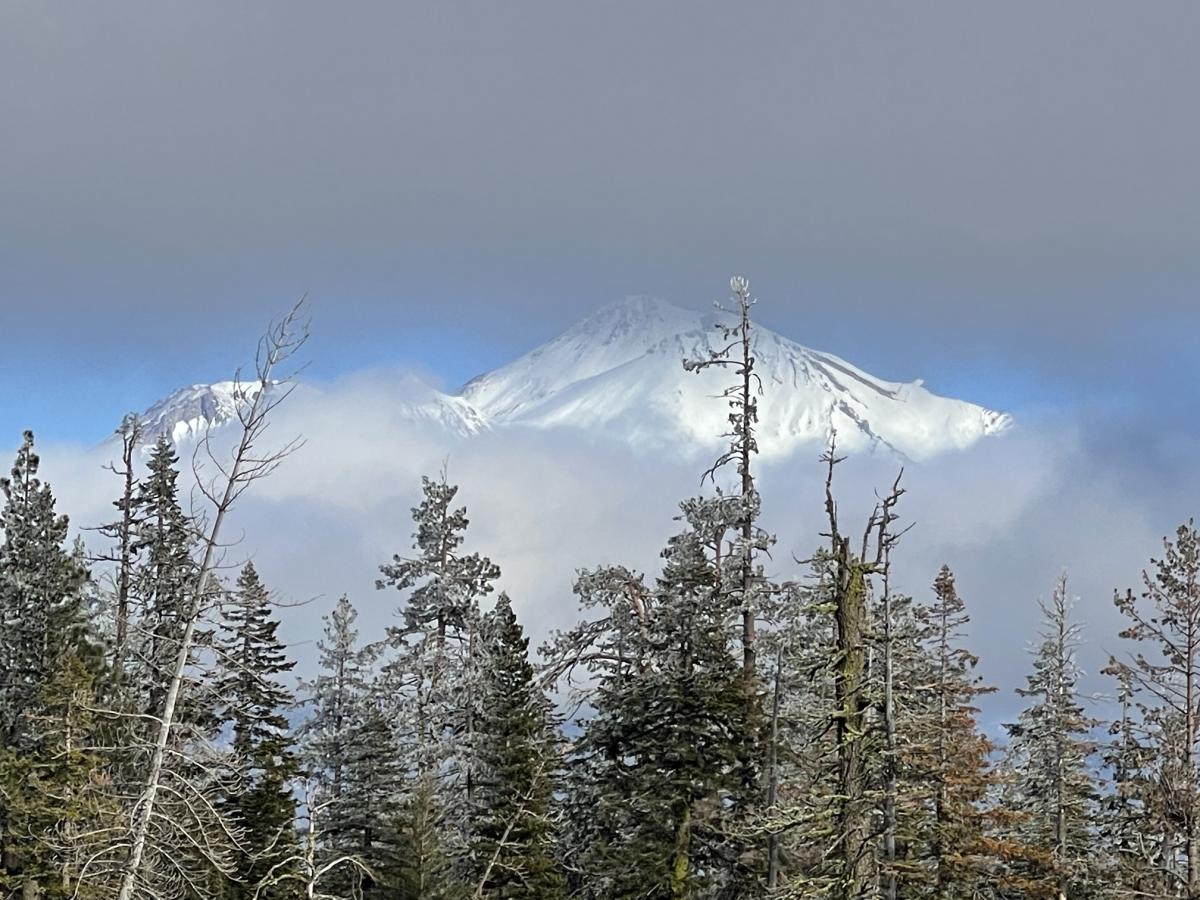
655, 767
147, 852
41, 593
59, 800
946, 758
800, 823
352, 750
341, 685
371, 824
1050, 751
513, 829
163, 577
41, 624
1161, 684
430, 678
911, 669
262, 805
1131, 820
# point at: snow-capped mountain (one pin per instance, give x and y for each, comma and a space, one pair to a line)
410, 400
619, 374
191, 410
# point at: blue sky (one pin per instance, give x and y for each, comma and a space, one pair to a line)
1001, 199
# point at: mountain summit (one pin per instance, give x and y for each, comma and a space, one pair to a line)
619, 374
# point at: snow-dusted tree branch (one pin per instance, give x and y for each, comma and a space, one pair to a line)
247, 463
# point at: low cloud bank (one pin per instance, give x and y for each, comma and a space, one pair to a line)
1007, 515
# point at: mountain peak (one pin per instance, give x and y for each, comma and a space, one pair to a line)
634, 318
639, 306
619, 372
191, 410
610, 337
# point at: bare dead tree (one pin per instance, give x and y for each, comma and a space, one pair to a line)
305, 867
885, 542
851, 590
742, 396
246, 465
130, 431
505, 846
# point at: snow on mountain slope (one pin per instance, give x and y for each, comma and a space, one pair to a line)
191, 411
613, 335
414, 401
619, 374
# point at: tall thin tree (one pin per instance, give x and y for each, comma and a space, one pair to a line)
1051, 749
246, 465
737, 353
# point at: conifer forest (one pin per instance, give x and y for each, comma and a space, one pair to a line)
707, 731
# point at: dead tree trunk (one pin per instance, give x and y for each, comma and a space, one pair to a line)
889, 725
851, 594
885, 541
850, 675
742, 396
746, 446
773, 775
131, 432
244, 468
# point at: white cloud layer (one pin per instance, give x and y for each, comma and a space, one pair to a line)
1007, 516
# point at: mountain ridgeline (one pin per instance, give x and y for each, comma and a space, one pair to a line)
617, 373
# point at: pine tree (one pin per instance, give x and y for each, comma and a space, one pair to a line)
162, 578
851, 606
1050, 751
512, 832
41, 624
1158, 766
430, 679
745, 586
60, 800
801, 822
443, 584
350, 751
1131, 820
334, 696
371, 823
262, 805
946, 759
41, 593
853, 753
655, 767
893, 634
